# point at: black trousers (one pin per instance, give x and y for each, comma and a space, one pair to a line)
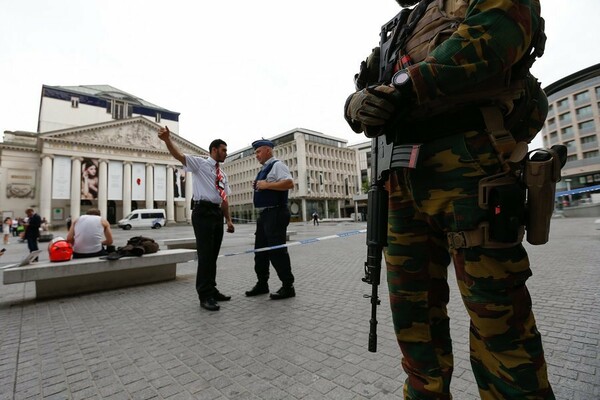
207, 220
271, 227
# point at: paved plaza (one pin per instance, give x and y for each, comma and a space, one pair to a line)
155, 342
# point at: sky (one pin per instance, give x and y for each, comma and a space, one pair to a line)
235, 70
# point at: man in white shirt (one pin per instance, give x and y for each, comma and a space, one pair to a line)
89, 234
210, 205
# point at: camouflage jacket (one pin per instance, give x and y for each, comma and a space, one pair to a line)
491, 37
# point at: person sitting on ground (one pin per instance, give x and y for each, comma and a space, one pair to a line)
89, 234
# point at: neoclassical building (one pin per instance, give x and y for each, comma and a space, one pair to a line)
96, 146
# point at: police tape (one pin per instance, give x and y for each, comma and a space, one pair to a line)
298, 243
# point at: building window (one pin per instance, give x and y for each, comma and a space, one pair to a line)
584, 112
74, 102
118, 109
565, 118
598, 92
589, 139
581, 97
562, 103
571, 146
586, 127
157, 118
591, 154
572, 158
567, 131
553, 136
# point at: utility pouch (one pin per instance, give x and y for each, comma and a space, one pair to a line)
542, 171
504, 199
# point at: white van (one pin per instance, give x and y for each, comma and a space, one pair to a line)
144, 218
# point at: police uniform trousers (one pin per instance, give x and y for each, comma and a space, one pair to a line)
271, 227
440, 196
207, 220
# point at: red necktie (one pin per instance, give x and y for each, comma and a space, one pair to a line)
219, 183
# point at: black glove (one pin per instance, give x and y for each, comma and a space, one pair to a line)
368, 110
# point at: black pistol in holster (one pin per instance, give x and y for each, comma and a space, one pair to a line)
378, 69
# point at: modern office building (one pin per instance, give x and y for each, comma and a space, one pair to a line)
574, 121
323, 168
96, 146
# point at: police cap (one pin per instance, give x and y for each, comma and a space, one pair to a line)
262, 142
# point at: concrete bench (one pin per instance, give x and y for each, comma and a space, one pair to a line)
190, 243
84, 275
181, 243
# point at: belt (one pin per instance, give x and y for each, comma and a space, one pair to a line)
204, 203
261, 209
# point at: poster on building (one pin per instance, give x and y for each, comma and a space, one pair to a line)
20, 184
160, 183
61, 178
89, 179
179, 184
138, 181
115, 180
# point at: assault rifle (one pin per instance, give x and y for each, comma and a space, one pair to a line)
381, 159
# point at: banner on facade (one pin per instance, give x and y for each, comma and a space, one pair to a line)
61, 178
20, 184
138, 181
160, 183
115, 180
179, 184
89, 179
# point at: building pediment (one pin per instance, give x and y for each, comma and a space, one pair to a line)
132, 134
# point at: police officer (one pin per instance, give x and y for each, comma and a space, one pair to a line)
210, 206
451, 82
271, 199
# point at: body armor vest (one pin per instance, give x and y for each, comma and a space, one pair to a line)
440, 20
269, 198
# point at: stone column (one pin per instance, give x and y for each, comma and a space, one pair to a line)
170, 196
103, 187
149, 185
126, 188
304, 215
75, 187
326, 209
189, 193
46, 188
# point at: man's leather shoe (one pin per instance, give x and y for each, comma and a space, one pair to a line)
209, 304
283, 293
258, 289
221, 297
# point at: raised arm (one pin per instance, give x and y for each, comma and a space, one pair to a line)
165, 135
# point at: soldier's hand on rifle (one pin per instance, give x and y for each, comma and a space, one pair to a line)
368, 110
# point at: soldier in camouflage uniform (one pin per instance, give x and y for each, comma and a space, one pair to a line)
440, 196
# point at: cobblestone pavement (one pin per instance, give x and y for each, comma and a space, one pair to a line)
154, 341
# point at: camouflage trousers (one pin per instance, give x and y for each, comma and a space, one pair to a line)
437, 197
